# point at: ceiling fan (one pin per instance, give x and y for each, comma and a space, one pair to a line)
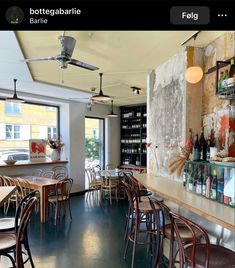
65, 56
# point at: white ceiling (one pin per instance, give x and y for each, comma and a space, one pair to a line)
125, 58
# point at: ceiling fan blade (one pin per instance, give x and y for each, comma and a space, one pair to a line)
82, 65
39, 59
67, 45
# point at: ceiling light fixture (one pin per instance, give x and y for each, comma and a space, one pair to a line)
15, 97
112, 114
193, 73
136, 90
101, 97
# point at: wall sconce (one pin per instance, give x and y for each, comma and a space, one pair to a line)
136, 90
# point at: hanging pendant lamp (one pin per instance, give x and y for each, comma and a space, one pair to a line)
112, 114
101, 97
15, 97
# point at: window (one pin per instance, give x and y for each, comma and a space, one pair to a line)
12, 132
51, 133
36, 121
12, 108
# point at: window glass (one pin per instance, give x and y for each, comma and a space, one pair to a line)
36, 121
12, 108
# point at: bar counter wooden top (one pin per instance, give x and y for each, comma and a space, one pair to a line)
175, 192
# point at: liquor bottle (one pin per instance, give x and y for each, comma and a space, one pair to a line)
195, 179
220, 186
196, 149
205, 175
190, 178
203, 146
199, 181
185, 175
208, 155
208, 185
220, 82
214, 185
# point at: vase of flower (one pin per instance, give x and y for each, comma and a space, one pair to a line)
56, 145
55, 154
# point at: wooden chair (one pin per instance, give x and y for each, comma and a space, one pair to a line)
13, 241
60, 170
140, 212
110, 167
94, 184
108, 185
199, 253
37, 172
48, 174
61, 199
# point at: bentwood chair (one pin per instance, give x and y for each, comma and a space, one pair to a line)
59, 170
165, 234
108, 185
13, 242
60, 200
140, 213
48, 174
199, 253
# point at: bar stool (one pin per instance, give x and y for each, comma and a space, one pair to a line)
199, 253
140, 212
163, 232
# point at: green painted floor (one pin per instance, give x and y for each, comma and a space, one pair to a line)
93, 239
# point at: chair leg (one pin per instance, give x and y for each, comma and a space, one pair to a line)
11, 259
26, 245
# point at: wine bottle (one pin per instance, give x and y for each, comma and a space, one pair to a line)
203, 146
196, 149
208, 153
214, 185
205, 175
195, 179
220, 186
208, 185
199, 181
190, 178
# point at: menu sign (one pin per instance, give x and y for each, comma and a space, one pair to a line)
37, 150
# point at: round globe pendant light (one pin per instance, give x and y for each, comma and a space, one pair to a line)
194, 74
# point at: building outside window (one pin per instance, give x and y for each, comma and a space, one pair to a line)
12, 132
51, 133
12, 108
21, 122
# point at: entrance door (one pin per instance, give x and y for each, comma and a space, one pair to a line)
94, 142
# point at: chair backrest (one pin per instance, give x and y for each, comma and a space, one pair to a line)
63, 188
196, 231
37, 172
110, 167
22, 218
60, 176
106, 179
60, 170
132, 196
48, 174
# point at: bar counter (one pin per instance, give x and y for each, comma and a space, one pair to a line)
174, 191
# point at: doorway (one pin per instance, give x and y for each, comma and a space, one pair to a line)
94, 143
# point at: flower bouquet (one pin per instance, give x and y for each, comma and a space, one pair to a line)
55, 144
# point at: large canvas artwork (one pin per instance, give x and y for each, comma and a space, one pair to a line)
166, 125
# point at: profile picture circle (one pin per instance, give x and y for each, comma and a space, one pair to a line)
14, 15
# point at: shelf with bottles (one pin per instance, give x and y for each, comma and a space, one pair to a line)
215, 181
225, 79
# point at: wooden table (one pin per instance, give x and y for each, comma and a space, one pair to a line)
5, 193
175, 192
44, 186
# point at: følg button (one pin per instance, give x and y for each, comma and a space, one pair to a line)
184, 15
